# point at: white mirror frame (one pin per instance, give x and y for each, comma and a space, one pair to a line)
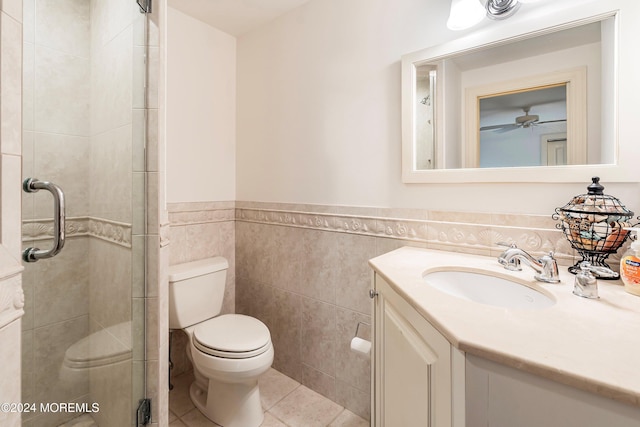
549, 17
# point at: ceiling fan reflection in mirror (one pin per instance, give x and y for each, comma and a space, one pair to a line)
525, 121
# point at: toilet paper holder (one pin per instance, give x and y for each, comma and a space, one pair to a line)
358, 328
361, 346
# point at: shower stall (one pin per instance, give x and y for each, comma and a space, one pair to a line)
84, 133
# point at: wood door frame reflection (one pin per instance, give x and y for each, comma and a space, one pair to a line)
576, 82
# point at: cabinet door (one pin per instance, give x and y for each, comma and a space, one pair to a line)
412, 365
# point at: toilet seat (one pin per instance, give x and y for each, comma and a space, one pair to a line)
232, 336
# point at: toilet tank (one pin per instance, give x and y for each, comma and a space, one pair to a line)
196, 291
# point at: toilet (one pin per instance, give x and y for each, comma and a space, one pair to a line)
106, 350
228, 352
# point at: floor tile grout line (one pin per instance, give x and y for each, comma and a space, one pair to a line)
337, 415
274, 416
283, 397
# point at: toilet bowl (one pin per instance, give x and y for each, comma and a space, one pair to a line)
230, 367
228, 352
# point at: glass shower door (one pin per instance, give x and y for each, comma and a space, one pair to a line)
84, 127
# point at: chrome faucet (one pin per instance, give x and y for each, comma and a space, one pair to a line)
546, 267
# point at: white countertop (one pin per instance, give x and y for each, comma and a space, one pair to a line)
590, 344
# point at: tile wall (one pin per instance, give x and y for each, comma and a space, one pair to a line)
83, 67
11, 295
115, 94
201, 230
56, 141
302, 269
310, 288
156, 300
149, 299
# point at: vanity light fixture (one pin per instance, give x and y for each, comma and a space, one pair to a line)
464, 14
467, 13
501, 9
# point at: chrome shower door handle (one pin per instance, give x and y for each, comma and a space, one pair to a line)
32, 185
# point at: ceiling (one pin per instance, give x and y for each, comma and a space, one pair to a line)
525, 99
235, 17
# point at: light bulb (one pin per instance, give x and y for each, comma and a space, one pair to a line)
465, 14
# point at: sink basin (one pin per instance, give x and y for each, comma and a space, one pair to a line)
490, 290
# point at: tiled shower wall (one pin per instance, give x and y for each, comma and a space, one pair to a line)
11, 297
79, 128
302, 269
12, 229
56, 141
116, 94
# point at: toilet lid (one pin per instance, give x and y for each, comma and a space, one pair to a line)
234, 336
103, 347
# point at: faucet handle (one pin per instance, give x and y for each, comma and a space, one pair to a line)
507, 259
600, 272
549, 272
512, 265
548, 257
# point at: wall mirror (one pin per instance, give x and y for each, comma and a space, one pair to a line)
527, 102
524, 127
524, 121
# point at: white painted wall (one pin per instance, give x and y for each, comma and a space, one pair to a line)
319, 112
201, 111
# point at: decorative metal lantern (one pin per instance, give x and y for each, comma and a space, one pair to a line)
594, 224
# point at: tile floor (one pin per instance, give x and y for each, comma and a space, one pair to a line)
82, 421
286, 403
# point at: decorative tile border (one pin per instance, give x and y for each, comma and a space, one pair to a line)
478, 233
42, 229
11, 294
11, 300
474, 237
406, 229
110, 231
200, 212
164, 234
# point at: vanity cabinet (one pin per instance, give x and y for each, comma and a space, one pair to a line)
420, 379
501, 396
443, 361
415, 367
